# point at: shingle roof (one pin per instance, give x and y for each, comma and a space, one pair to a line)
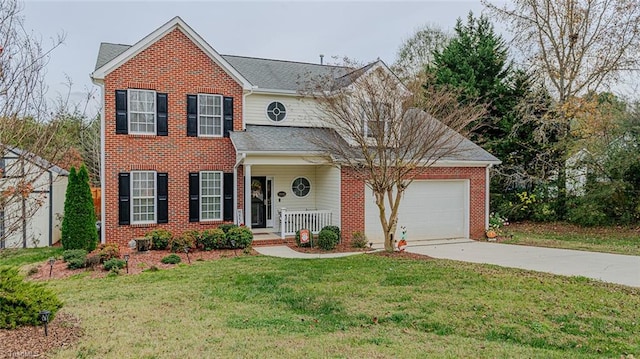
264, 73
278, 139
109, 52
258, 138
38, 161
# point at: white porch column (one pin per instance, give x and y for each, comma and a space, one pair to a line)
247, 195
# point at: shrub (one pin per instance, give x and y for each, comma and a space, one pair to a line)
308, 244
114, 264
358, 240
334, 229
239, 237
160, 239
171, 259
213, 239
79, 221
75, 258
179, 243
93, 260
225, 227
21, 301
108, 251
193, 236
327, 239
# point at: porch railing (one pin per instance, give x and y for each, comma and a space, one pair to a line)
292, 221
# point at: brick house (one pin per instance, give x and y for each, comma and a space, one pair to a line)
192, 139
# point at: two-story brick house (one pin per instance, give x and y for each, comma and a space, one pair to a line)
192, 139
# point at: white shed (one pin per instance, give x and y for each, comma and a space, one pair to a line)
32, 194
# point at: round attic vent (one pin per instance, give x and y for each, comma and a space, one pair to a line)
276, 111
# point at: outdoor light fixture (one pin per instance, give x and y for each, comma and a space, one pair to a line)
370, 244
44, 317
186, 251
233, 245
52, 261
126, 261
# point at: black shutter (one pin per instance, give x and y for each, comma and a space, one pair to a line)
228, 116
124, 207
163, 203
121, 112
192, 115
161, 114
194, 197
227, 205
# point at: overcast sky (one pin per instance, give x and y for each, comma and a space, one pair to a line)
297, 31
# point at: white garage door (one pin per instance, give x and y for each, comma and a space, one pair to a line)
429, 210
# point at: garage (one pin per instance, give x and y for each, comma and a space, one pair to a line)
430, 209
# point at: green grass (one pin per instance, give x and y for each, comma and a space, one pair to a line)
22, 256
618, 240
354, 307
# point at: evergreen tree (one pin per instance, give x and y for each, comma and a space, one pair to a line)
78, 224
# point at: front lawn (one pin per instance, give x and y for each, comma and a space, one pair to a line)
21, 256
620, 240
354, 307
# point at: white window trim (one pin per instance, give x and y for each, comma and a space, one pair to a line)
155, 113
221, 196
221, 115
294, 192
155, 198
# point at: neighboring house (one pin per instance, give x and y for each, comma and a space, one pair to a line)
33, 193
192, 139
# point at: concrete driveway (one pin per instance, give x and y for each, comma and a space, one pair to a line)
613, 268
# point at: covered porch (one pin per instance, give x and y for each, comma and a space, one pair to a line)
288, 182
282, 199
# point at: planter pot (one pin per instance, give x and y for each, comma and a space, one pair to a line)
491, 234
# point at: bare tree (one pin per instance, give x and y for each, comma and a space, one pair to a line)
27, 127
388, 134
416, 52
579, 45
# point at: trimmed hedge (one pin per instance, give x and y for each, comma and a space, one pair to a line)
212, 239
160, 239
327, 239
22, 301
75, 258
239, 237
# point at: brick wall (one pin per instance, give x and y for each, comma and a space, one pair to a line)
353, 204
176, 66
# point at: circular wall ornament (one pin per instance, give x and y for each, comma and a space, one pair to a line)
276, 111
300, 187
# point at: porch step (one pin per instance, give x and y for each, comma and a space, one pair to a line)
271, 241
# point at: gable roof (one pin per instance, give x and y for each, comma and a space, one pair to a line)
108, 62
263, 74
37, 160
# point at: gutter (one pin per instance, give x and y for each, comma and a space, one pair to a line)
487, 184
103, 213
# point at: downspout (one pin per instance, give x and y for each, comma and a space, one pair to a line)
50, 208
244, 101
235, 186
103, 212
486, 198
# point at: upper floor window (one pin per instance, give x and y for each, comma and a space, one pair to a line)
209, 115
376, 120
141, 112
276, 111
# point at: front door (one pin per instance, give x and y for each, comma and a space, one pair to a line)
259, 202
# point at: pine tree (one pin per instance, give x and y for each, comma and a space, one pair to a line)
78, 224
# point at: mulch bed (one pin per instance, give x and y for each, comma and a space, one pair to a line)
30, 342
